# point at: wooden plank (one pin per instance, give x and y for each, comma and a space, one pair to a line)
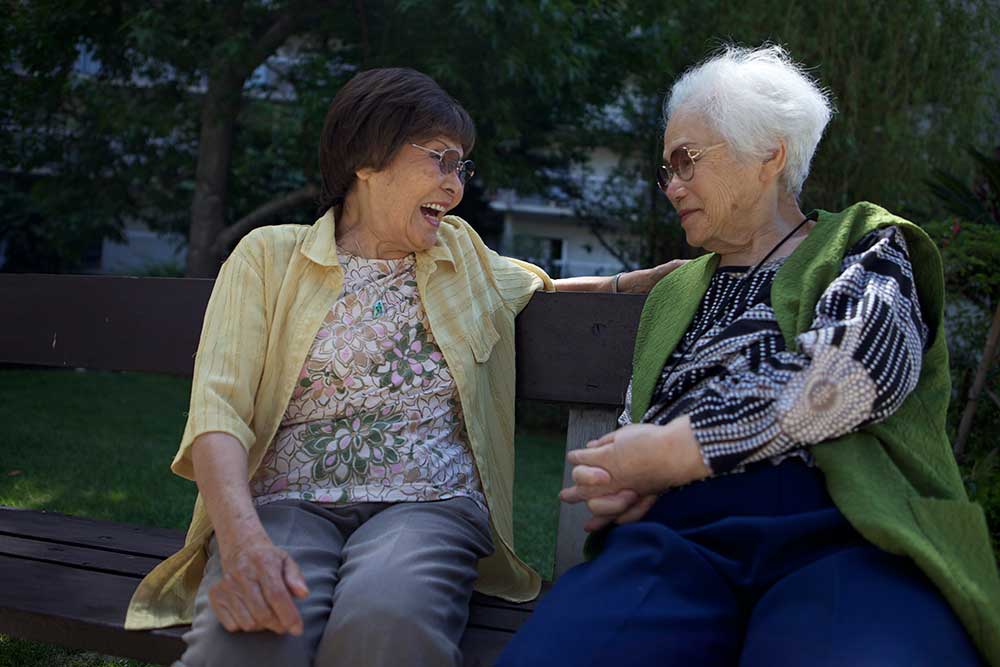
97, 560
577, 347
481, 648
86, 609
506, 617
102, 322
76, 608
133, 540
65, 529
495, 618
584, 425
571, 347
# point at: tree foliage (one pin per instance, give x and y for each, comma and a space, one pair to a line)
970, 247
909, 96
203, 117
170, 126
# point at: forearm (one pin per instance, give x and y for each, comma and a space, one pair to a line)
628, 282
220, 468
640, 281
584, 284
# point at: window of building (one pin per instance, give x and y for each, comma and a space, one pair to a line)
548, 253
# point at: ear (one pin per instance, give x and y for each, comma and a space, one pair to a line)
774, 165
364, 174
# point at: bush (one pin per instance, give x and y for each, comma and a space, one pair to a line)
971, 255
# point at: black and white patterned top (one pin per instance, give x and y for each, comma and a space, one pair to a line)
750, 399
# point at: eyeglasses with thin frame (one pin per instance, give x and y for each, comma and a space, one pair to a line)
681, 163
449, 160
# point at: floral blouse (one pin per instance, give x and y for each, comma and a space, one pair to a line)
375, 416
751, 399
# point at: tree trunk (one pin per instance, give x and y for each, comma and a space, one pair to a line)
218, 122
982, 371
215, 148
594, 227
229, 236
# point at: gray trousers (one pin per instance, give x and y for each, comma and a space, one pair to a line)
389, 584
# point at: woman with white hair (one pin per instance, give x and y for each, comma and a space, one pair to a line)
782, 490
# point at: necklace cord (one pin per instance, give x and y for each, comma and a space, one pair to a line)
775, 248
668, 371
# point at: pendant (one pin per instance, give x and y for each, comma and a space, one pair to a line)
378, 309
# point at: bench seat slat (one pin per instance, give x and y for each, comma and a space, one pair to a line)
82, 605
85, 609
74, 607
129, 540
63, 528
85, 558
138, 566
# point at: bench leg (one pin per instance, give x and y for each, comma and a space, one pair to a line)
584, 424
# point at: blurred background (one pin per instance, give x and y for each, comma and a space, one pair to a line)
117, 117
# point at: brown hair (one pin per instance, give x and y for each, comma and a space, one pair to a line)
374, 115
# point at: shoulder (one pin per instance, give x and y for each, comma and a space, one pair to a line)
272, 237
685, 277
513, 279
839, 234
458, 236
862, 220
265, 247
879, 237
466, 248
880, 241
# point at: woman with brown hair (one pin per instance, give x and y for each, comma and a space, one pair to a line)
359, 374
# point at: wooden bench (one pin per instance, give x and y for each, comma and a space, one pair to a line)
67, 580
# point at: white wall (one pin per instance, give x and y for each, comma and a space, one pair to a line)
582, 254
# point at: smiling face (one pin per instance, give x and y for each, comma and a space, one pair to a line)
396, 211
722, 203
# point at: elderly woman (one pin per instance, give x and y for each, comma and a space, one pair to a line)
360, 376
798, 370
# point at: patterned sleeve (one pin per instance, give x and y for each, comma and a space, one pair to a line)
857, 363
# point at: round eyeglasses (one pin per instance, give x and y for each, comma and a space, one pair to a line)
449, 160
681, 163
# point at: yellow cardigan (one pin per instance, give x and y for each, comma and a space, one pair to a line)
268, 302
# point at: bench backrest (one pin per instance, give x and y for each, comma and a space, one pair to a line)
573, 348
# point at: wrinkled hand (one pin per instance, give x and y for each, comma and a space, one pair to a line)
626, 506
643, 280
256, 589
619, 475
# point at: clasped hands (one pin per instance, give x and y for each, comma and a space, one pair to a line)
620, 474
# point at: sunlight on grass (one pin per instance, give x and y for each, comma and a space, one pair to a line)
28, 496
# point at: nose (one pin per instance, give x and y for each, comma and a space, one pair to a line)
453, 184
675, 188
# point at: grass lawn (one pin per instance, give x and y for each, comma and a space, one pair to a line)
99, 445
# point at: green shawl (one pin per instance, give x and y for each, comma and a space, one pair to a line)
896, 482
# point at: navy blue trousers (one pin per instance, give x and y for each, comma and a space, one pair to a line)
753, 569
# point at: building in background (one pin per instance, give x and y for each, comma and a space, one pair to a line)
551, 236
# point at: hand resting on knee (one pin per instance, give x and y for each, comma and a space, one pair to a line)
258, 578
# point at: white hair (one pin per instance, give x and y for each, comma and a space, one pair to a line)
755, 98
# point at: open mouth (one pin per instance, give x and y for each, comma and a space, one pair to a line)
432, 213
